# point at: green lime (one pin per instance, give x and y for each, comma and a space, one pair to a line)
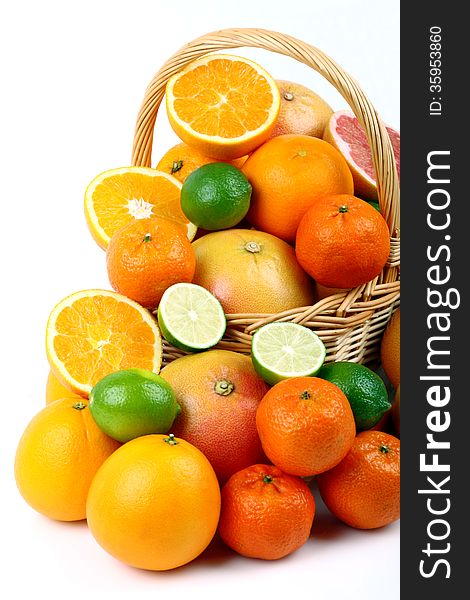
364, 389
216, 196
133, 402
283, 350
190, 317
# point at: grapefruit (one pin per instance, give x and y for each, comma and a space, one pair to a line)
219, 392
302, 111
346, 134
251, 272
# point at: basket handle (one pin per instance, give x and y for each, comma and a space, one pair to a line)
377, 136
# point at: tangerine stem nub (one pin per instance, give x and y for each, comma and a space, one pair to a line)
79, 405
147, 238
267, 479
384, 449
223, 387
170, 440
343, 208
305, 395
176, 166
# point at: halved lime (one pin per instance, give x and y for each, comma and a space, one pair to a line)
283, 350
190, 317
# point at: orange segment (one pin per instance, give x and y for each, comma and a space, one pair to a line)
118, 196
224, 105
95, 332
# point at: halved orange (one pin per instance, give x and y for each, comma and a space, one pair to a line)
223, 105
93, 333
118, 196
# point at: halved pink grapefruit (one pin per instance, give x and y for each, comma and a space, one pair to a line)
346, 134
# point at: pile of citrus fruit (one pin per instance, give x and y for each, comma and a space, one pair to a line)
250, 213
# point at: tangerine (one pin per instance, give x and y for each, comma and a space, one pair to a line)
363, 490
146, 256
265, 513
306, 425
342, 241
181, 160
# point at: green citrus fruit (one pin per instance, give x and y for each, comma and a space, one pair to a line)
190, 317
133, 402
216, 196
284, 350
364, 389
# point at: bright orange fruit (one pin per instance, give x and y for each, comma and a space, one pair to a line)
181, 160
119, 196
223, 105
306, 425
146, 257
155, 503
288, 173
265, 513
342, 241
58, 456
363, 490
95, 332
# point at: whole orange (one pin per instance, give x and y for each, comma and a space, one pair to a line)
265, 513
251, 272
155, 503
363, 491
55, 390
390, 349
342, 241
57, 457
306, 425
219, 392
181, 160
288, 173
146, 256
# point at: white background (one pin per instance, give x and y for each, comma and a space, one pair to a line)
72, 79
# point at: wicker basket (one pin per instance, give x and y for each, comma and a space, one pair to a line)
349, 323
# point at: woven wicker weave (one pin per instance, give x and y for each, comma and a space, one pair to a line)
350, 323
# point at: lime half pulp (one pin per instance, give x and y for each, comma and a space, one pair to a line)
190, 317
284, 350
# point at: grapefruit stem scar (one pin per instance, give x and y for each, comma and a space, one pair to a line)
252, 247
223, 387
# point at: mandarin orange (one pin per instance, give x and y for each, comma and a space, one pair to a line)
265, 513
363, 490
146, 256
306, 425
342, 241
181, 160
